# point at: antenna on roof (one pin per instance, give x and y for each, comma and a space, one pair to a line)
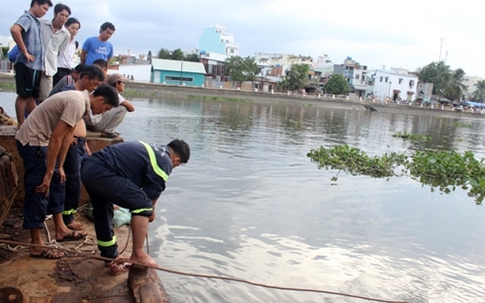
441, 47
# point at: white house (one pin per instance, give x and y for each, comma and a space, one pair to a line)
137, 73
394, 84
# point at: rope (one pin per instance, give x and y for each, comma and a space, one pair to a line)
210, 276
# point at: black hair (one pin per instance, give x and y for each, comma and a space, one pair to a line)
109, 94
181, 148
60, 7
72, 21
79, 68
93, 72
101, 63
40, 2
106, 25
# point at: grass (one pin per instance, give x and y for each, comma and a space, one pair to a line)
7, 86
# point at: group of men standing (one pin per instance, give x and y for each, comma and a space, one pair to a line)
51, 139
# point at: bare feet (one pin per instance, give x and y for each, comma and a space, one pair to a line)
143, 258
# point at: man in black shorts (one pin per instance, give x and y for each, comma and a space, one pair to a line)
30, 61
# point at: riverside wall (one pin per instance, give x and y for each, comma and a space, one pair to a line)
155, 90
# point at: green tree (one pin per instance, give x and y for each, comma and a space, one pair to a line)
251, 68
177, 54
296, 78
4, 52
241, 69
447, 82
163, 53
337, 85
192, 57
479, 94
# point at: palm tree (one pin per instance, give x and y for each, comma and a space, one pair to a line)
479, 94
456, 87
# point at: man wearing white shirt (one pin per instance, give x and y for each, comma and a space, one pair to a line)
55, 38
65, 59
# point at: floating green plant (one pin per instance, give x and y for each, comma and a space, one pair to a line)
355, 161
444, 170
412, 137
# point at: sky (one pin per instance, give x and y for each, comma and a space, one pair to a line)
407, 34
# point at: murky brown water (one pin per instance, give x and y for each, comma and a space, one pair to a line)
250, 204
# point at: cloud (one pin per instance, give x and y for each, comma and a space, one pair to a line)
374, 32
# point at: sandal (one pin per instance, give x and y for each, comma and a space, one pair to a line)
49, 254
76, 226
72, 236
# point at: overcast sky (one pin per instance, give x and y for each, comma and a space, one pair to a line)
406, 34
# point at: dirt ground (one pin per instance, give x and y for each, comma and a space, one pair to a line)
69, 279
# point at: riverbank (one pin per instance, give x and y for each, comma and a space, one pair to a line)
152, 90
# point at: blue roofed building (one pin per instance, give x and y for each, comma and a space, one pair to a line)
177, 72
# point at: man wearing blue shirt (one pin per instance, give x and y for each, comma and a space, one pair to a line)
99, 47
131, 175
29, 64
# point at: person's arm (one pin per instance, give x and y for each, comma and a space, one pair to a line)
61, 158
16, 31
55, 142
83, 56
129, 106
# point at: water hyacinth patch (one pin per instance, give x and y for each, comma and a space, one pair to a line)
444, 170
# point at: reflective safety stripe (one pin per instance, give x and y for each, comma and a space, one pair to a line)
137, 211
107, 243
153, 161
69, 212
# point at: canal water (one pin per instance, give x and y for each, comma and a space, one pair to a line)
251, 205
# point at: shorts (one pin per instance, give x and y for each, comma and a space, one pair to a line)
27, 80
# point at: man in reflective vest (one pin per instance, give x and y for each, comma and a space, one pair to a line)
131, 175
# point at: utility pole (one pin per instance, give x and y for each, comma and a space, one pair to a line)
441, 47
181, 69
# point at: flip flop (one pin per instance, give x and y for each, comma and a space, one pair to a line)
75, 226
48, 254
73, 236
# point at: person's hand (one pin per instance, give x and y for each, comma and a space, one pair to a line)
152, 216
74, 141
86, 148
62, 175
29, 57
44, 187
